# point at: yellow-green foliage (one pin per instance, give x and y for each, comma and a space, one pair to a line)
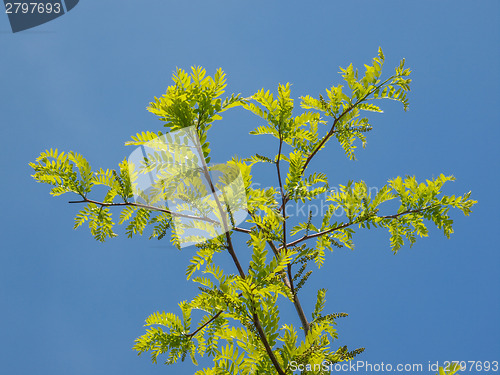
241, 328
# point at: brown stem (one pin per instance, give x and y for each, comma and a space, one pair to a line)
231, 251
296, 301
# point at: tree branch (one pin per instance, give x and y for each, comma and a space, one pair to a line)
269, 350
231, 251
318, 234
153, 208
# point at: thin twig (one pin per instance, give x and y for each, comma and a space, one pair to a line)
208, 322
205, 324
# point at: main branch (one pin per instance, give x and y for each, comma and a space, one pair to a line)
231, 251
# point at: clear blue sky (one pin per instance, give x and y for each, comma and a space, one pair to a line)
73, 306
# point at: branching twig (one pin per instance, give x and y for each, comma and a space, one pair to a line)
332, 129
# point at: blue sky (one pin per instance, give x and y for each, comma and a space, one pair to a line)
71, 305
